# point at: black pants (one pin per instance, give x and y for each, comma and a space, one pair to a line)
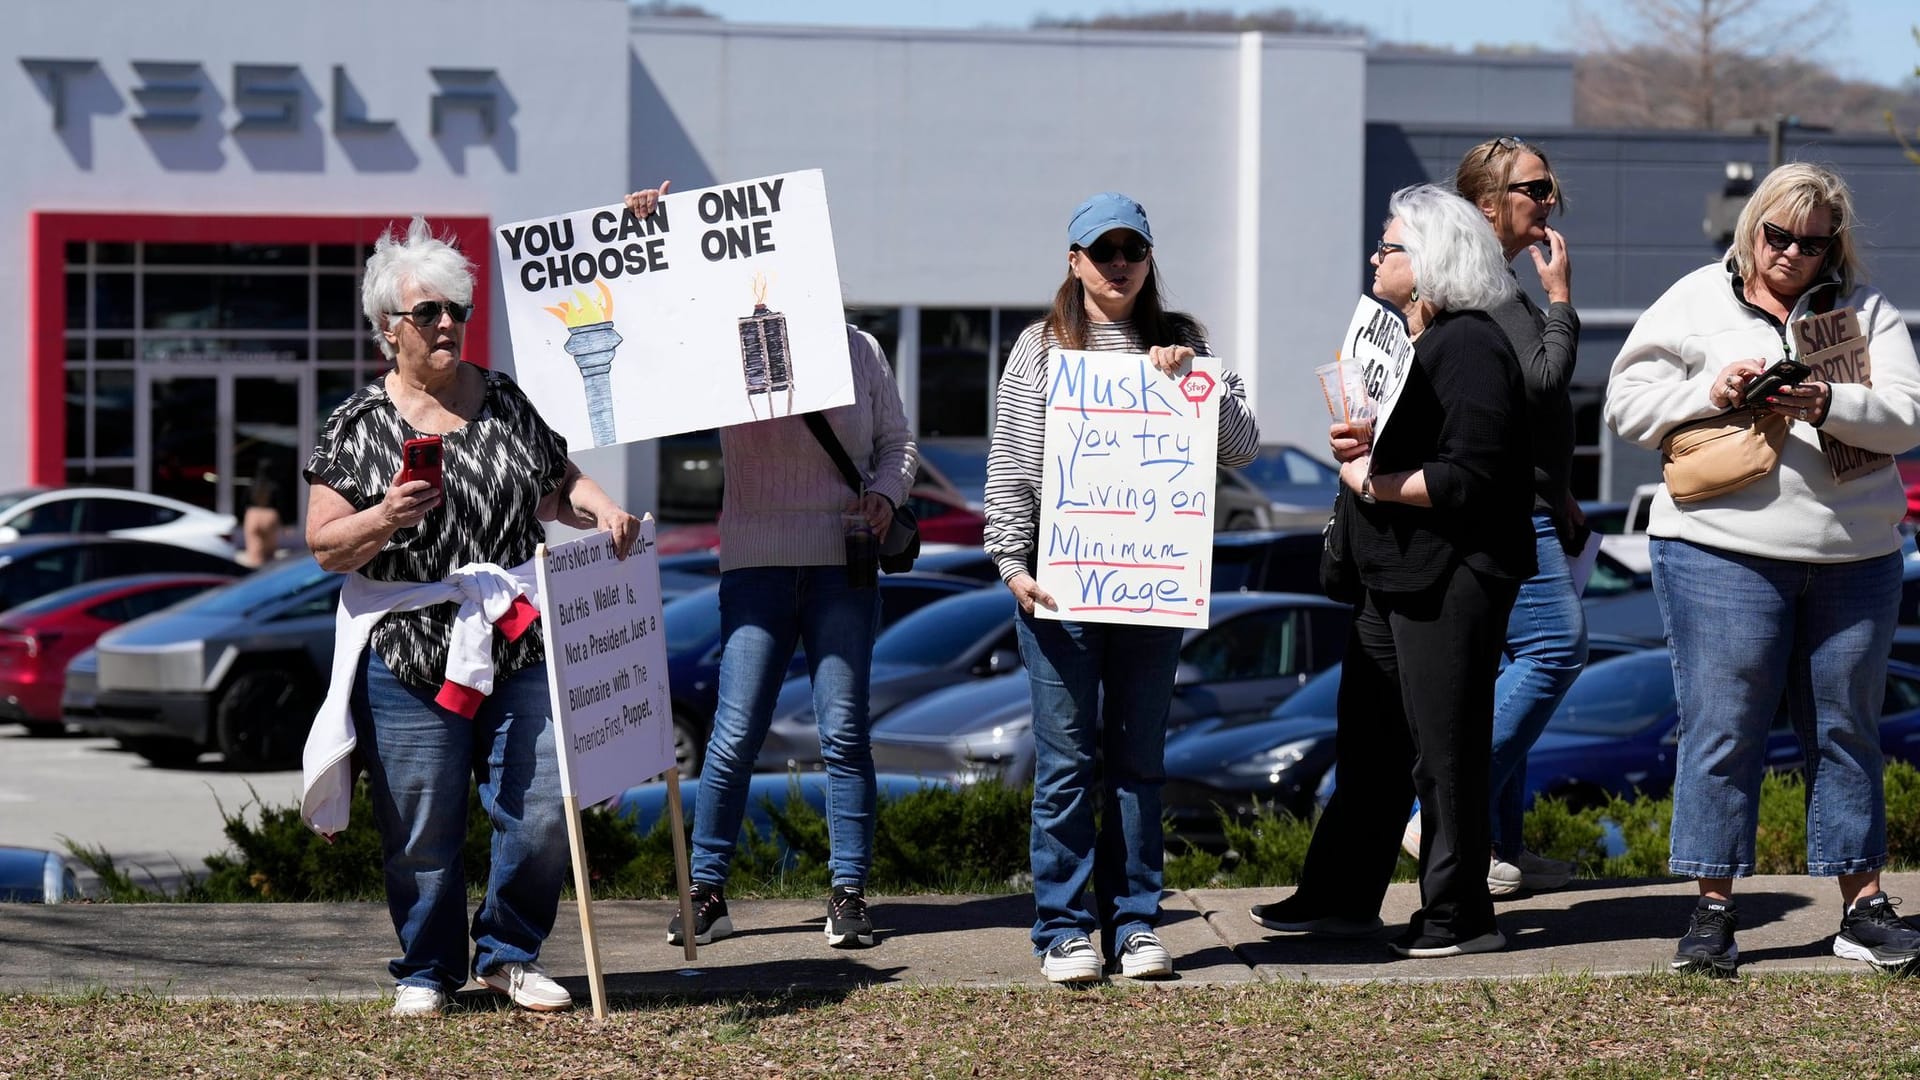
1415, 718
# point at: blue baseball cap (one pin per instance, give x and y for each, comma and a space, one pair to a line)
1107, 210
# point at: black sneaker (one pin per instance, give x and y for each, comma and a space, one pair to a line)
1870, 931
848, 926
1708, 948
710, 921
1289, 916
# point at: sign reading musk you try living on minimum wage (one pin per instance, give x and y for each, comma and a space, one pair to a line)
1126, 495
721, 307
606, 664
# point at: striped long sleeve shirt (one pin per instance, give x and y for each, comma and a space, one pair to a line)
1014, 455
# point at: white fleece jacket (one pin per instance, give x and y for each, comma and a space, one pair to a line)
1662, 377
487, 594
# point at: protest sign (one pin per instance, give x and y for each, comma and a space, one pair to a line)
721, 307
1832, 346
1126, 494
1377, 348
607, 675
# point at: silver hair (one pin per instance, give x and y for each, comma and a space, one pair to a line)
1457, 262
420, 259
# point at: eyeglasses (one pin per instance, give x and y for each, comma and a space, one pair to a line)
1780, 240
1102, 250
1538, 190
426, 313
1384, 249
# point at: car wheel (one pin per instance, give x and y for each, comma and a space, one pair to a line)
262, 718
164, 753
689, 744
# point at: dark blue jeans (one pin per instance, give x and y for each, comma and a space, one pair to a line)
421, 759
764, 612
1749, 637
1069, 665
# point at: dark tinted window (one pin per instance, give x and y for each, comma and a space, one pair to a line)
261, 588
58, 516
152, 600
899, 599
117, 560
1257, 645
1618, 697
41, 573
106, 515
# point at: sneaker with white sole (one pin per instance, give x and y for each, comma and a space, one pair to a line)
848, 924
410, 1000
1872, 932
1708, 947
710, 919
1143, 957
1071, 959
1289, 916
1431, 948
529, 986
1503, 878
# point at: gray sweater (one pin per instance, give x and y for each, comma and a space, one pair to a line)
1546, 345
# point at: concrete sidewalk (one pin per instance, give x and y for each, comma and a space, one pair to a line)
341, 950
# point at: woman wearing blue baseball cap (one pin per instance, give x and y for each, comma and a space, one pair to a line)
1109, 302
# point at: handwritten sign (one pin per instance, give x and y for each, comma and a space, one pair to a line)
1376, 346
606, 664
721, 307
1126, 498
1831, 345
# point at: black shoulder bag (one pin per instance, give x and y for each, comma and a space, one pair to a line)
902, 544
1339, 577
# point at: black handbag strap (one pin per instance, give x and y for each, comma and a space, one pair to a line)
823, 432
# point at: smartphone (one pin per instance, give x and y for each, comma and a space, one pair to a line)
1784, 372
420, 460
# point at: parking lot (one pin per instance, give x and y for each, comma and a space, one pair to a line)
149, 819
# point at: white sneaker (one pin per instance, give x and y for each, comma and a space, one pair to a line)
1503, 878
410, 1000
529, 987
1537, 872
1072, 959
1143, 957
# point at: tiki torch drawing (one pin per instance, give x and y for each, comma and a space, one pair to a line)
591, 340
766, 357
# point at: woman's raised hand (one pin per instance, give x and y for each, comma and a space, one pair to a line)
1556, 273
643, 202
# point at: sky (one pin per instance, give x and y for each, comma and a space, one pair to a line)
1873, 41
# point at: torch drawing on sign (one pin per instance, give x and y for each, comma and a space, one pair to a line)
765, 355
591, 340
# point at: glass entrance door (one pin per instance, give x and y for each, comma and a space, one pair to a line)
213, 433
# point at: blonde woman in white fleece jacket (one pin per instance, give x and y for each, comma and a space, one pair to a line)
1782, 594
784, 580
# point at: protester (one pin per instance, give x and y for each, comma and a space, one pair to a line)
1514, 186
1110, 301
1441, 540
429, 567
1802, 564
785, 578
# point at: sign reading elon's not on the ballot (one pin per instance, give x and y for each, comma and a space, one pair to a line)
721, 307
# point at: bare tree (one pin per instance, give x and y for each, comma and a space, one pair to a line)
1893, 123
1699, 63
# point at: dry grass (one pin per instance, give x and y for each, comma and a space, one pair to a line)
1649, 1026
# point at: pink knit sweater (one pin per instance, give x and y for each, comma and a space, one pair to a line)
784, 496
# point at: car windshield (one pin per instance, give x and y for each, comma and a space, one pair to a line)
79, 594
940, 632
1277, 466
1618, 697
692, 620
259, 588
1316, 697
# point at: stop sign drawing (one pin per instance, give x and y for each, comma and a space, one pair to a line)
1196, 387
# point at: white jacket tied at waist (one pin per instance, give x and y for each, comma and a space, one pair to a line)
489, 596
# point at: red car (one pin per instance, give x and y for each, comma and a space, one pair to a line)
37, 638
944, 517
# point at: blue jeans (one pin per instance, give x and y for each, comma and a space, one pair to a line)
1547, 647
420, 760
1068, 666
764, 611
1751, 637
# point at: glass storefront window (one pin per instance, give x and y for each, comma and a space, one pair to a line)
954, 345
884, 325
211, 301
113, 412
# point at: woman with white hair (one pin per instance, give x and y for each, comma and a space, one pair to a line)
1442, 537
416, 540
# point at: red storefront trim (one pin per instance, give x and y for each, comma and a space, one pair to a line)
49, 233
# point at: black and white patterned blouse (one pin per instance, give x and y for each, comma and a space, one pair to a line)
495, 470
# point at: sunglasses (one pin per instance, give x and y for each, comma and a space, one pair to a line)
1384, 249
1779, 239
1102, 250
1504, 142
426, 313
1538, 190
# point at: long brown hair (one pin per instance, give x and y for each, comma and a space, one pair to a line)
1067, 323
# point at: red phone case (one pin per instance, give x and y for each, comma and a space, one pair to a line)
420, 460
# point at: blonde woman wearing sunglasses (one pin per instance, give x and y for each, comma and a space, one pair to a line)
1781, 595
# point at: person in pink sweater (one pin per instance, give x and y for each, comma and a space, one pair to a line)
784, 579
